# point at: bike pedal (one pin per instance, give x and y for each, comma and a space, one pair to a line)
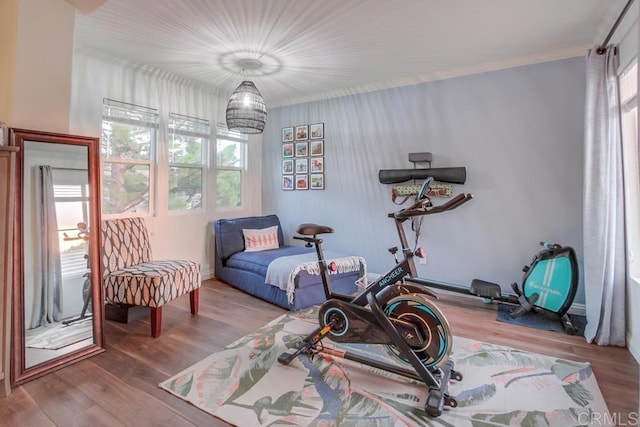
484, 289
450, 401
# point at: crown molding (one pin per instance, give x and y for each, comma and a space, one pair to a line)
445, 74
86, 6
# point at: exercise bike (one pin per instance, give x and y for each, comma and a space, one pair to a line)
390, 312
83, 234
549, 284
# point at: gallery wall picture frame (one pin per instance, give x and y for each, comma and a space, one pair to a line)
302, 166
317, 181
287, 134
287, 182
302, 132
287, 166
302, 182
302, 149
303, 157
316, 131
317, 165
316, 148
287, 149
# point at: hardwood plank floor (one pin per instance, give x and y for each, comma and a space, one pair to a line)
120, 386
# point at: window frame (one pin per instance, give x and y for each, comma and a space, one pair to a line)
202, 165
628, 84
69, 257
151, 162
224, 134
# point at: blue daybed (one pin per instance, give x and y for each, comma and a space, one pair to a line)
248, 270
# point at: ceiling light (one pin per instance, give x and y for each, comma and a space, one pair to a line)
246, 110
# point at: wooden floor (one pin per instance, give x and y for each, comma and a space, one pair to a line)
120, 386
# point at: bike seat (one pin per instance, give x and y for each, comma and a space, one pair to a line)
309, 229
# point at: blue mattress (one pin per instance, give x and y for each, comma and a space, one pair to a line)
258, 262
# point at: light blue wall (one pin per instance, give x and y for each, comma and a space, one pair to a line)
519, 133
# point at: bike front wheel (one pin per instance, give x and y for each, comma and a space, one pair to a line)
430, 322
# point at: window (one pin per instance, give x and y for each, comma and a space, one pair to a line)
188, 139
629, 107
128, 144
231, 162
72, 210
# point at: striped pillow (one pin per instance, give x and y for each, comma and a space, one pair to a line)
260, 240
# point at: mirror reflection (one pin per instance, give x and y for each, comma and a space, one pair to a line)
56, 269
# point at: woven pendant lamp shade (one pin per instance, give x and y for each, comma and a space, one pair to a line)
246, 111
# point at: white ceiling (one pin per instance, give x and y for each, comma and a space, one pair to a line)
315, 49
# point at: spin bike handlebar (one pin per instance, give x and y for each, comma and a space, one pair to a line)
424, 207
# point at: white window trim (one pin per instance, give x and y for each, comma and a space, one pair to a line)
204, 156
223, 133
631, 152
151, 162
71, 258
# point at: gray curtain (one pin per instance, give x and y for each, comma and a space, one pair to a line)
48, 292
604, 244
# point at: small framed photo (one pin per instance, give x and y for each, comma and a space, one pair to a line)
317, 181
302, 132
287, 166
302, 165
287, 134
316, 148
287, 149
302, 182
287, 182
317, 165
316, 131
302, 149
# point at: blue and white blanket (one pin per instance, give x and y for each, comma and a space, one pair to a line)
282, 271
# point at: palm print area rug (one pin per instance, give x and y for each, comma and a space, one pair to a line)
245, 385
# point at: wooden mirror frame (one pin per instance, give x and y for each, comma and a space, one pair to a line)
19, 372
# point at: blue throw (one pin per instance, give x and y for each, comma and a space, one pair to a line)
282, 271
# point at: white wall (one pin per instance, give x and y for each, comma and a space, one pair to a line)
9, 43
519, 133
41, 85
173, 235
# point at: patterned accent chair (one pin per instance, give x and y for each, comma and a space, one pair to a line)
131, 277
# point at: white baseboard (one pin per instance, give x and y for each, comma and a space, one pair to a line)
579, 309
576, 308
206, 275
633, 348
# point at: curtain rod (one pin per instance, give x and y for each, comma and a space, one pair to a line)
603, 46
69, 169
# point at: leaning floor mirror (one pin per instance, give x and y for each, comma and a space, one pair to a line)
57, 292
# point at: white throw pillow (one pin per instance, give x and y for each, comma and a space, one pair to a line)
260, 240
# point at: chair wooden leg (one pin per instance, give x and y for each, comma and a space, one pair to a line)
194, 299
156, 321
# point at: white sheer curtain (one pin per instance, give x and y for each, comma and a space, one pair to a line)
97, 78
604, 243
48, 291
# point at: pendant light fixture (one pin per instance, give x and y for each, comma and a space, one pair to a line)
246, 110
